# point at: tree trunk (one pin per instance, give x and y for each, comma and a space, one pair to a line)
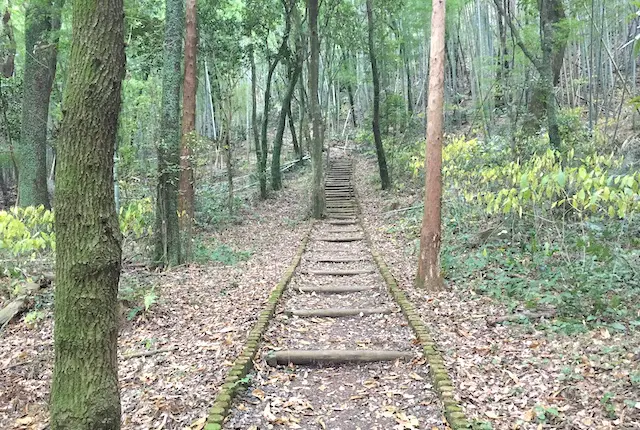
84, 394
352, 104
382, 161
42, 23
167, 225
317, 191
430, 234
276, 175
553, 42
8, 44
254, 121
186, 196
297, 148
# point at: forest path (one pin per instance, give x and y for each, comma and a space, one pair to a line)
338, 354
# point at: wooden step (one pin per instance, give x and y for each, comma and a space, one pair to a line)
353, 272
337, 312
335, 356
341, 222
335, 289
341, 239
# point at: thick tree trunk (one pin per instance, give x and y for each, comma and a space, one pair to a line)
317, 190
42, 23
430, 234
264, 145
167, 225
187, 194
276, 175
382, 161
84, 393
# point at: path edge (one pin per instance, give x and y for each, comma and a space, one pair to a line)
442, 382
244, 362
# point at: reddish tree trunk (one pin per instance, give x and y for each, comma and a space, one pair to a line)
430, 234
186, 199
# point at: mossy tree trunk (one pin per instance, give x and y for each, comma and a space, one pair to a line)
317, 190
167, 230
84, 393
430, 234
42, 25
382, 160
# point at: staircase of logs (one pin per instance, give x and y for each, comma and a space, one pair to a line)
332, 238
339, 352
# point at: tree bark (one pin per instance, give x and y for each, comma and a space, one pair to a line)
430, 234
317, 190
382, 161
8, 44
42, 23
186, 186
84, 393
167, 230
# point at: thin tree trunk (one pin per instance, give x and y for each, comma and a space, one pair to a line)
317, 191
429, 276
254, 114
297, 145
352, 104
42, 24
382, 162
276, 175
186, 186
84, 394
167, 225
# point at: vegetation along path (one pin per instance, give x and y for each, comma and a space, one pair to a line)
340, 352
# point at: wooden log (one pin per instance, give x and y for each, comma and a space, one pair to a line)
341, 239
335, 289
337, 312
342, 222
335, 356
521, 316
353, 272
353, 230
338, 259
12, 309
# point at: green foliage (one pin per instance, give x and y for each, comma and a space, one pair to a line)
223, 254
26, 231
136, 218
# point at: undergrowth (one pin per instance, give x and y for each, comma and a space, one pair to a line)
548, 230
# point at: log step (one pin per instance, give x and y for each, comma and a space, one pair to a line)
334, 356
341, 239
338, 259
353, 272
335, 289
337, 312
341, 222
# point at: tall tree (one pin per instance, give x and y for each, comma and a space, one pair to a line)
382, 161
167, 229
317, 190
186, 198
294, 70
430, 234
42, 24
553, 41
85, 392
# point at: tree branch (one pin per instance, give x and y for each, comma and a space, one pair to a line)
516, 35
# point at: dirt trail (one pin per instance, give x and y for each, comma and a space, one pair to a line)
338, 275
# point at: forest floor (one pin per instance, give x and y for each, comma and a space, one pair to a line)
201, 317
513, 375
